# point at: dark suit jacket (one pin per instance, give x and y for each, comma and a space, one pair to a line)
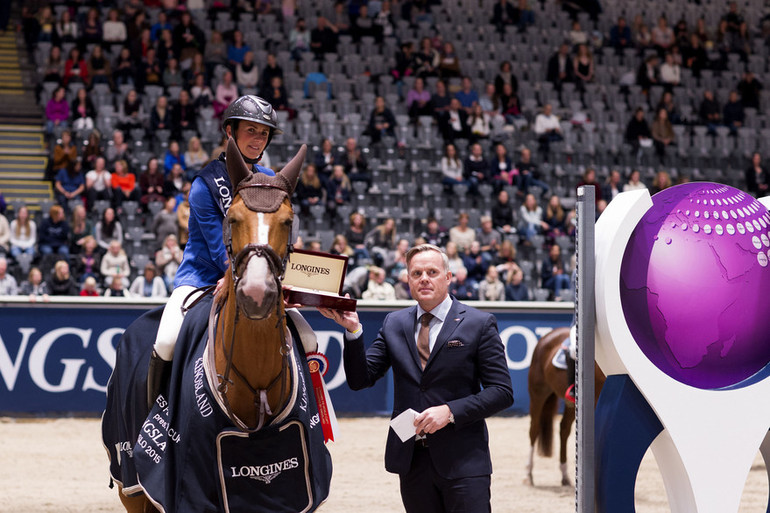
454, 375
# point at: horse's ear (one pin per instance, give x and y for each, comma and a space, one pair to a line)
236, 166
291, 170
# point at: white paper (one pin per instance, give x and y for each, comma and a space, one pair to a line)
403, 425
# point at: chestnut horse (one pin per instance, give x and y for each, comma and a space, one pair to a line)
247, 323
547, 385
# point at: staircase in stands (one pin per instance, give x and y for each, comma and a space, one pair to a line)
23, 150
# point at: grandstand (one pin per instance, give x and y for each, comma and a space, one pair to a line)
334, 93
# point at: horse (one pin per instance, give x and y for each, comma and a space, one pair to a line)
547, 384
248, 376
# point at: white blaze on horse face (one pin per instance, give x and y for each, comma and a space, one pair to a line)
263, 230
256, 290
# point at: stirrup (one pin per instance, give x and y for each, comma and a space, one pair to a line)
569, 395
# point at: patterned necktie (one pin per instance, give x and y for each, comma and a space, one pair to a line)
423, 338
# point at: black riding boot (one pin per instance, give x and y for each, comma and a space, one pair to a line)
570, 393
158, 374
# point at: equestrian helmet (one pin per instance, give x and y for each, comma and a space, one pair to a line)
252, 108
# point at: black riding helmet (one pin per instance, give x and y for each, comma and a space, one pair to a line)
251, 108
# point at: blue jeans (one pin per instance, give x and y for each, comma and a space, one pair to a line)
16, 251
557, 283
46, 249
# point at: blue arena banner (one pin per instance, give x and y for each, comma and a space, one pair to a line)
56, 358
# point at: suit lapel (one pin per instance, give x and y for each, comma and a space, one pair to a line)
453, 319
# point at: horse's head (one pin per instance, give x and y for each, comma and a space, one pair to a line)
259, 224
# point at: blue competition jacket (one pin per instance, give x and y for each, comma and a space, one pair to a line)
205, 258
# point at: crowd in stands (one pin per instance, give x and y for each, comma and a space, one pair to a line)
133, 90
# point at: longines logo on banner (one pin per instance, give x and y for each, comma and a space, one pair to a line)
265, 473
310, 270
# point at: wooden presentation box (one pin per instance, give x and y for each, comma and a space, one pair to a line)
316, 279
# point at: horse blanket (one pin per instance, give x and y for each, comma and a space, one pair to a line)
186, 455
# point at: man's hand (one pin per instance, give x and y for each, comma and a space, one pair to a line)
348, 320
432, 419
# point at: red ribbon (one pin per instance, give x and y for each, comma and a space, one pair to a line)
318, 364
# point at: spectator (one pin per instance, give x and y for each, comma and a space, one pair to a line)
183, 213
341, 247
197, 67
54, 232
452, 168
117, 288
115, 264
201, 93
662, 133
476, 262
226, 92
91, 28
642, 36
149, 284
80, 228
173, 156
355, 234
324, 160
160, 115
34, 287
502, 213
402, 286
309, 190
695, 56
491, 288
382, 122
75, 68
733, 113
65, 153
174, 184
648, 73
82, 111
667, 102
188, 38
670, 72
124, 69
479, 123
354, 162
662, 36
271, 69
118, 149
23, 233
140, 46
114, 31
449, 63
547, 129
553, 275
489, 101
89, 288
167, 260
509, 104
165, 47
526, 15
504, 15
195, 158
527, 175
475, 168
215, 53
577, 36
405, 63
589, 178
338, 189
434, 233
323, 38
151, 71
124, 186
378, 289
107, 229
733, 18
427, 59
560, 67
5, 236
749, 88
455, 260
151, 183
381, 242
91, 149
620, 36
555, 217
461, 287
57, 111
505, 76
418, 100
384, 24
467, 95
634, 182
99, 182
441, 101
661, 181
612, 187
454, 122
299, 40
584, 67
99, 69
184, 116
172, 74
501, 170
462, 234
61, 282
757, 182
531, 216
515, 287
247, 72
277, 96
165, 222
8, 285
53, 70
638, 133
88, 260
66, 29
69, 185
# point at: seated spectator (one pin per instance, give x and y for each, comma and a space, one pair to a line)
461, 287
174, 184
479, 123
66, 29
670, 71
277, 96
734, 114
173, 156
34, 287
5, 236
613, 186
515, 287
638, 133
124, 70
475, 168
589, 178
165, 223
75, 68
709, 112
65, 153
107, 229
151, 182
54, 233
338, 189
341, 247
167, 260
527, 174
124, 187
418, 100
662, 35
117, 288
553, 275
115, 264
749, 89
648, 73
426, 60
634, 182
476, 262
324, 160
323, 38
309, 190
69, 185
61, 282
531, 216
184, 115
441, 100
402, 286
225, 93
509, 104
695, 56
82, 111
560, 68
363, 25
434, 233
505, 76
462, 234
89, 288
547, 129
99, 69
160, 115
57, 111
23, 233
88, 260
188, 37
757, 182
449, 62
247, 72
195, 158
354, 162
215, 53
91, 150
662, 133
584, 67
555, 217
381, 242
271, 69
53, 69
491, 288
620, 36
504, 15
452, 168
91, 28
467, 95
118, 149
382, 122
502, 213
355, 234
114, 30
8, 285
172, 74
149, 284
80, 227
98, 182
661, 181
453, 124
150, 70
377, 288
299, 39
489, 239
501, 170
667, 102
183, 214
200, 93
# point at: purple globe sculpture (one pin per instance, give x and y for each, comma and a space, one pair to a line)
692, 284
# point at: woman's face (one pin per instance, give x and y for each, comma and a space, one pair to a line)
109, 215
35, 276
23, 214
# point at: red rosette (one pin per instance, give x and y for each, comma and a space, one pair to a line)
318, 365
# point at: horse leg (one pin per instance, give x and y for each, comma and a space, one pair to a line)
565, 426
536, 402
136, 503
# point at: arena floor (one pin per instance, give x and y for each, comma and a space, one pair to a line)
60, 466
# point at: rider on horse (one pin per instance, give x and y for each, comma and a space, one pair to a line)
252, 123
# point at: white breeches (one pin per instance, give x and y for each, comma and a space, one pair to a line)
171, 322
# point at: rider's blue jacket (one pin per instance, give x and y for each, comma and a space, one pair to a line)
205, 257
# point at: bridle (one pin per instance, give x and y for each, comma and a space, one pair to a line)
277, 266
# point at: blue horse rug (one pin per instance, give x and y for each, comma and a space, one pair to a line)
186, 455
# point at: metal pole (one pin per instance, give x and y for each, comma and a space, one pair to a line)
585, 488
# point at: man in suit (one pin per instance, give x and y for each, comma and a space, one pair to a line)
450, 367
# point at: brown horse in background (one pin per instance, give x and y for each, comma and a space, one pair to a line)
547, 385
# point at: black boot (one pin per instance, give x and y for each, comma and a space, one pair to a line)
157, 377
569, 395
